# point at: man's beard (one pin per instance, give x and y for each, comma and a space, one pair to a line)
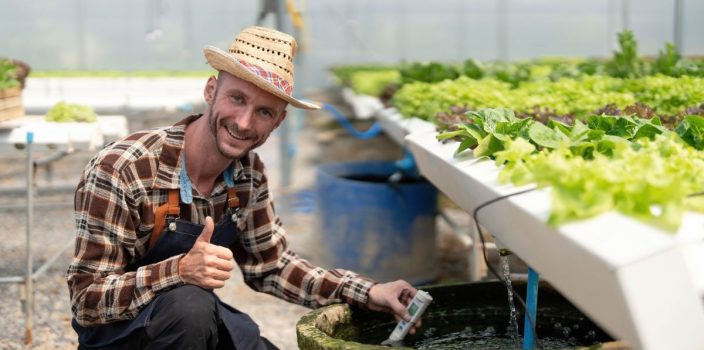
233, 129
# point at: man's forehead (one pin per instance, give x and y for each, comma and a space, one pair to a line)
238, 84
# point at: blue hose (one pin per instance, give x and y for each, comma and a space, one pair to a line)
373, 130
531, 310
407, 165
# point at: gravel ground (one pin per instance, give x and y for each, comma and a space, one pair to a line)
53, 230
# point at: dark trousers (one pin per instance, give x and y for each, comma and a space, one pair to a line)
184, 318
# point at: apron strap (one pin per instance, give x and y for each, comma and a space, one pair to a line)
170, 208
232, 200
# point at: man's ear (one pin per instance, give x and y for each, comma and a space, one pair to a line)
281, 119
209, 91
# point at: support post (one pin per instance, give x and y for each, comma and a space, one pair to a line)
28, 281
625, 15
475, 253
502, 32
679, 26
531, 310
286, 150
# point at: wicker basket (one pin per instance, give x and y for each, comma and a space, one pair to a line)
11, 104
11, 99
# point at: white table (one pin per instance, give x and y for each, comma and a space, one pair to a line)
66, 137
363, 106
62, 139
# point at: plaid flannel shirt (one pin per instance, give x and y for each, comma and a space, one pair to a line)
114, 212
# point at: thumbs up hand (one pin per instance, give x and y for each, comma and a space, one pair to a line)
206, 265
207, 234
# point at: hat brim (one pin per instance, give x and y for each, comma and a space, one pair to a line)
222, 61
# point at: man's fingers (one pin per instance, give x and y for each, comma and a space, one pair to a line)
415, 327
406, 297
217, 274
207, 265
400, 310
220, 264
207, 234
212, 283
221, 252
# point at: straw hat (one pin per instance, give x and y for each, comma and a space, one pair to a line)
263, 57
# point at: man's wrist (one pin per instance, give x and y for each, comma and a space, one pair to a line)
357, 289
179, 268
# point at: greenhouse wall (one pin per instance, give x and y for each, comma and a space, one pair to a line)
134, 35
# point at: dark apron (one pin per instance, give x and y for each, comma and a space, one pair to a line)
241, 328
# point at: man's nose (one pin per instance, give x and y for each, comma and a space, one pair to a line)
245, 120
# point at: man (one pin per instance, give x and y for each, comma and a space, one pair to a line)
164, 215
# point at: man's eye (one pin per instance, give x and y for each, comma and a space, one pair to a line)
237, 98
266, 113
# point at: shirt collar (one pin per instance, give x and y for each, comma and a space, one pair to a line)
170, 161
186, 187
169, 168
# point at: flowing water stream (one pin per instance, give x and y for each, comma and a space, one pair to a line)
513, 317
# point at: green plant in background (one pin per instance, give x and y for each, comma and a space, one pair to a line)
571, 96
514, 74
691, 130
566, 96
626, 63
343, 74
374, 82
631, 165
668, 95
426, 100
8, 72
428, 72
63, 112
670, 88
667, 62
650, 180
474, 69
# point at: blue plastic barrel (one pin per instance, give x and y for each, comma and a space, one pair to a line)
372, 227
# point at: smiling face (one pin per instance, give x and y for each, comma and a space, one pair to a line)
240, 115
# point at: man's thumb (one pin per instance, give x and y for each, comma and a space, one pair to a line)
207, 232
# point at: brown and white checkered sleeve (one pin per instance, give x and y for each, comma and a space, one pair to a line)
106, 220
269, 266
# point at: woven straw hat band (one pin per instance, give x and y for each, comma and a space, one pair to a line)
270, 50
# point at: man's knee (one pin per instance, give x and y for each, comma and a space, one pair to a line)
187, 308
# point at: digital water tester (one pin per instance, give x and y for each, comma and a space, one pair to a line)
416, 308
